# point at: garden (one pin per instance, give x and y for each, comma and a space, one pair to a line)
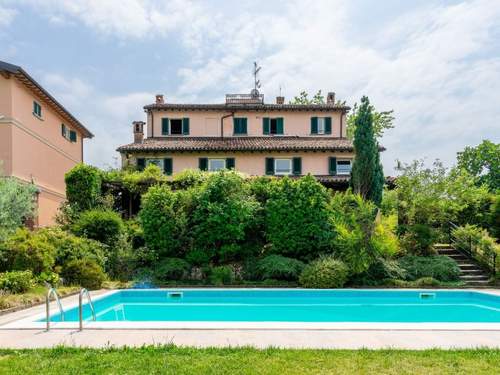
225, 228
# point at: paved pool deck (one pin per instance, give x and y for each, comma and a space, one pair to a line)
289, 338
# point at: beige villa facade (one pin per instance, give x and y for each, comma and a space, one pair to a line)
39, 139
244, 134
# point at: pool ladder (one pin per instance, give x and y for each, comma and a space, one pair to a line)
80, 306
53, 291
83, 292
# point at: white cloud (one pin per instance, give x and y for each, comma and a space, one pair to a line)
437, 65
7, 15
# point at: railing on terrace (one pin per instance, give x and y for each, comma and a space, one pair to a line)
244, 98
470, 248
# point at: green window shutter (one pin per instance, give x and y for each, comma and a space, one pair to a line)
332, 166
243, 125
265, 125
164, 126
279, 125
167, 166
328, 125
141, 164
270, 166
297, 166
185, 126
230, 163
236, 125
314, 125
203, 164
72, 136
63, 130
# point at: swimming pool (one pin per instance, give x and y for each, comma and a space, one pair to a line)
284, 308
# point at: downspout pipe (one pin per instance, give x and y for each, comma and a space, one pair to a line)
222, 123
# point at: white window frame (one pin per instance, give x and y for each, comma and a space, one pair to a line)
344, 173
290, 171
321, 125
209, 166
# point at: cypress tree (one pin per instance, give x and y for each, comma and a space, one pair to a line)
367, 178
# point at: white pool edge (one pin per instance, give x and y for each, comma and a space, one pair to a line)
32, 323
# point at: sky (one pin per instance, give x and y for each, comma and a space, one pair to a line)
435, 63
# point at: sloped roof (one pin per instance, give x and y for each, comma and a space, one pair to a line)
248, 107
269, 143
30, 82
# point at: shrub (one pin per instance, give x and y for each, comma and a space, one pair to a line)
69, 247
223, 215
495, 217
17, 204
16, 281
197, 257
384, 238
296, 218
325, 272
356, 239
189, 178
419, 240
220, 275
83, 186
483, 245
380, 272
164, 218
279, 268
135, 233
83, 272
440, 267
101, 225
25, 250
171, 269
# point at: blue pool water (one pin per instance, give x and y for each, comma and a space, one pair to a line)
293, 306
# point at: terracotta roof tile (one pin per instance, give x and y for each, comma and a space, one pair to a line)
273, 143
248, 107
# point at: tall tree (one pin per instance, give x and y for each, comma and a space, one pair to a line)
367, 175
482, 161
381, 121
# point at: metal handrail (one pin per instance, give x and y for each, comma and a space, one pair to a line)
83, 292
53, 291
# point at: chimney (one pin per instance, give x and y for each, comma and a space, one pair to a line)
159, 99
330, 98
138, 131
280, 100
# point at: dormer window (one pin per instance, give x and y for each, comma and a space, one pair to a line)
37, 109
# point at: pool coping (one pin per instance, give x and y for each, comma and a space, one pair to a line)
29, 323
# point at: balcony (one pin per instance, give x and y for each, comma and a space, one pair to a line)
245, 98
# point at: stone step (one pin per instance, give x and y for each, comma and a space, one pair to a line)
476, 271
477, 283
448, 251
473, 277
442, 246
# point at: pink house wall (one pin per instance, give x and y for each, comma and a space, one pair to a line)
33, 149
253, 164
207, 123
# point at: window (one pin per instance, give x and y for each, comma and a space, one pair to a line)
240, 125
37, 109
282, 166
67, 133
344, 167
176, 126
157, 162
216, 164
321, 125
273, 125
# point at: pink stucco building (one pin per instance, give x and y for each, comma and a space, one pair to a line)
39, 139
246, 134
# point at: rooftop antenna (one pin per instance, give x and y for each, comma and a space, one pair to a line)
256, 70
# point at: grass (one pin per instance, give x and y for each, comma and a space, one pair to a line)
175, 360
34, 296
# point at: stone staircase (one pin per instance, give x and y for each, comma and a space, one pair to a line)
471, 273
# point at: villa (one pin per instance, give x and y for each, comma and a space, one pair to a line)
39, 139
247, 135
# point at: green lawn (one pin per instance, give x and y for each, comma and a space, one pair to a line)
174, 360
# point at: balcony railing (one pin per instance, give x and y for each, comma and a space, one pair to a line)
244, 98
